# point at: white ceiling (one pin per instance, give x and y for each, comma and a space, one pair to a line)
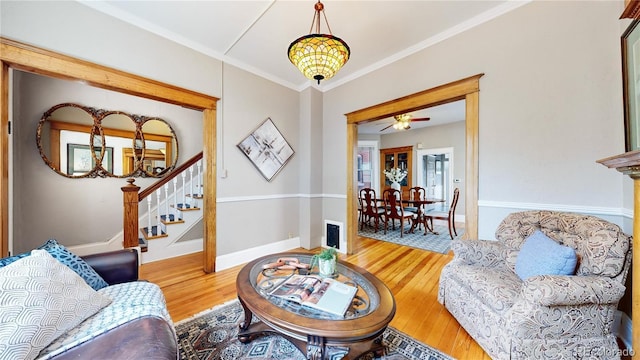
438, 115
255, 35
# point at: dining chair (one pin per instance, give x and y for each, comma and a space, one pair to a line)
444, 215
369, 208
416, 193
394, 210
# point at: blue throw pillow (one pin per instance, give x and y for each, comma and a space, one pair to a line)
73, 261
8, 260
541, 255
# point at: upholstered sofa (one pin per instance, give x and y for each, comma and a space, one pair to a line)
97, 311
544, 316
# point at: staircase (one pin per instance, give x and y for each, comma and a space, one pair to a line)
173, 207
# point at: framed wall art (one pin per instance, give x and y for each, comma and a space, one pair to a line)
631, 85
80, 161
267, 149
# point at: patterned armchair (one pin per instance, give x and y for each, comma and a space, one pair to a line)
544, 316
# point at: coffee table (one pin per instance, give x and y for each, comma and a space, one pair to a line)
315, 332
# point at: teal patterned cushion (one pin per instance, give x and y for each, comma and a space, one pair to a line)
75, 263
66, 257
8, 260
541, 255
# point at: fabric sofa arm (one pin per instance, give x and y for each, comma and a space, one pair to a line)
557, 290
478, 252
115, 267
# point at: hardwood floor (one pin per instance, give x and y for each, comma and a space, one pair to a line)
411, 274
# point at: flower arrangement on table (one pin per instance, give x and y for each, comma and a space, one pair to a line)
395, 174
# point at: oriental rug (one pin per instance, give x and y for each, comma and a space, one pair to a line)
213, 335
440, 243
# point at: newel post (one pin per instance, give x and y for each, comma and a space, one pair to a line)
130, 214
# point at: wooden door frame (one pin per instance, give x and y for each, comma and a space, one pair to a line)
467, 89
19, 56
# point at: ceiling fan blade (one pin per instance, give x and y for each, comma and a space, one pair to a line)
421, 119
386, 127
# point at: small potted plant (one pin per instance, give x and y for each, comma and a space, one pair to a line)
326, 261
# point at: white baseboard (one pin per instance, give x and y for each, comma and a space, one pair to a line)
622, 328
94, 248
244, 256
172, 250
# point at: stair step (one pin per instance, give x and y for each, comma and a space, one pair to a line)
186, 207
155, 233
143, 244
172, 222
172, 219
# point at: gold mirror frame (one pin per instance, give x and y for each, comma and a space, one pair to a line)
467, 89
151, 154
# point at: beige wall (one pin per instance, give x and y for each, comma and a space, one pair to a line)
250, 211
550, 106
46, 203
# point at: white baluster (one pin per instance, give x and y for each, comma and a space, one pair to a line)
199, 178
158, 211
184, 190
175, 198
193, 195
166, 202
149, 231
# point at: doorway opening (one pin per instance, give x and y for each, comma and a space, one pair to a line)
367, 164
434, 173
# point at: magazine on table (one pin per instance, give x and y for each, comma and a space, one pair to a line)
324, 294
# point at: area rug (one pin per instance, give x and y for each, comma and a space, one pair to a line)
440, 243
213, 335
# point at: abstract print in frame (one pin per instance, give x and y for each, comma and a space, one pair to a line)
267, 149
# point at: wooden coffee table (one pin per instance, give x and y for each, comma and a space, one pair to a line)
314, 332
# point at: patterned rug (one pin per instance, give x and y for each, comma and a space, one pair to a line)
213, 335
437, 243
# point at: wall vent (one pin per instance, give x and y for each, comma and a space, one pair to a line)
334, 235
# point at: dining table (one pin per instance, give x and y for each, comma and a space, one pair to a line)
420, 218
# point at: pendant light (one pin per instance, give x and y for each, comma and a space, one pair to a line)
319, 56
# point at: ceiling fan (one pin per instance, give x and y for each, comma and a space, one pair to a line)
403, 120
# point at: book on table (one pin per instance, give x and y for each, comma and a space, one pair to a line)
323, 294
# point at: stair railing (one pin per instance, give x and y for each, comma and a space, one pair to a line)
132, 196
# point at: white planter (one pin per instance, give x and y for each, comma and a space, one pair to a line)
327, 268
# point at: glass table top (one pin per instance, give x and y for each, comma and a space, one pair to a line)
264, 281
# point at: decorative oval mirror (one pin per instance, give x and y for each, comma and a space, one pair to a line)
64, 136
160, 147
78, 141
120, 131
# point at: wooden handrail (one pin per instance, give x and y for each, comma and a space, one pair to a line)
158, 184
132, 196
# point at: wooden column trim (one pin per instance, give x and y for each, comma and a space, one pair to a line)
16, 55
4, 161
629, 164
209, 194
130, 214
464, 89
472, 105
352, 187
